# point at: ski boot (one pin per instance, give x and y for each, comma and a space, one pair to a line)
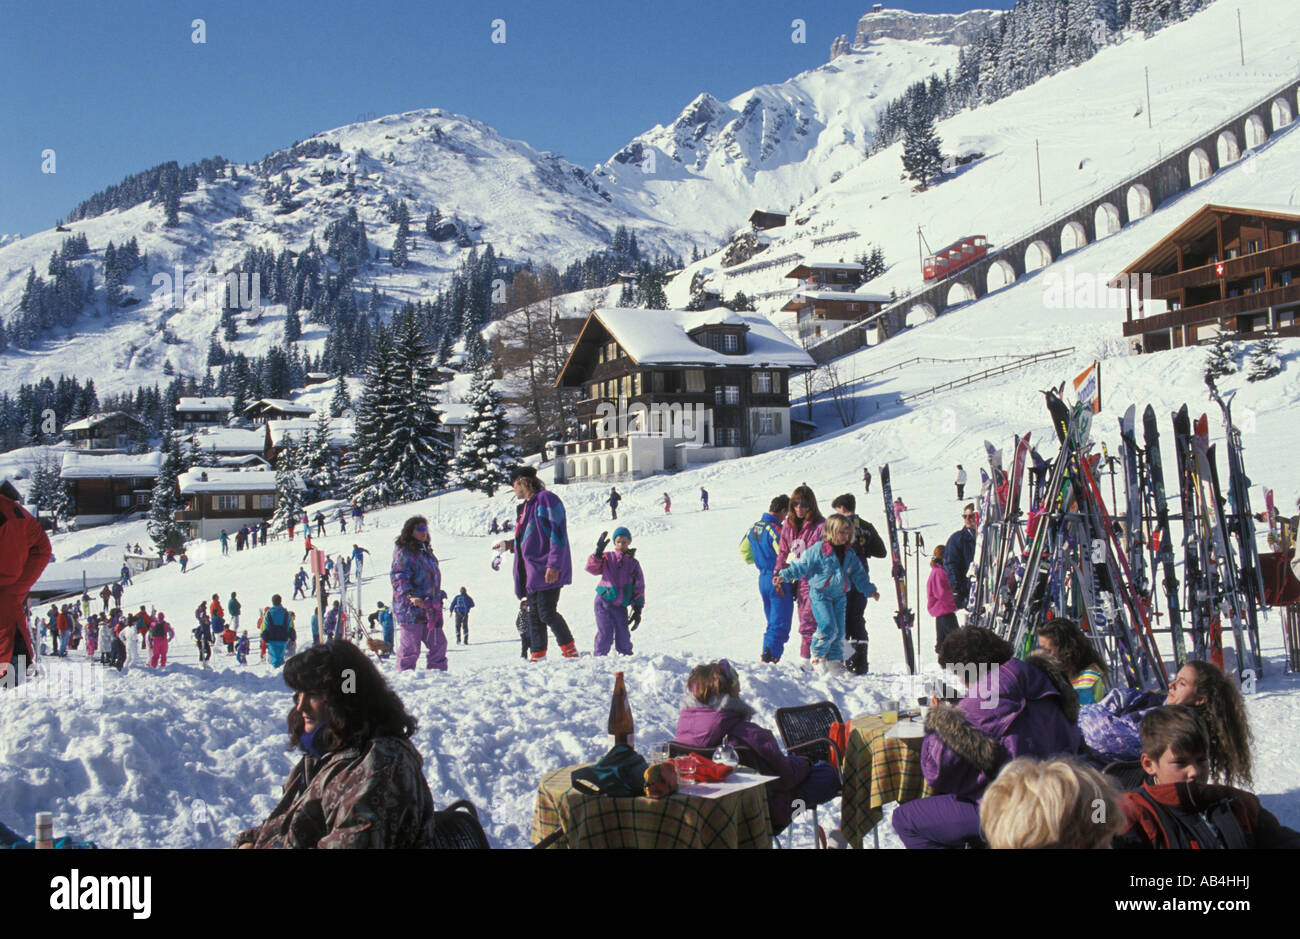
569, 651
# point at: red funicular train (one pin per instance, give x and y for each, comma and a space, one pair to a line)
953, 258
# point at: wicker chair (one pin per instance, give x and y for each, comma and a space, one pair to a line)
805, 730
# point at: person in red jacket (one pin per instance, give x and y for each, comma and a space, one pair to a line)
1178, 808
24, 552
214, 608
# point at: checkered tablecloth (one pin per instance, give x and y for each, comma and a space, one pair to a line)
737, 820
877, 770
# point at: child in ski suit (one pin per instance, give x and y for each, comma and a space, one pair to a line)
92, 636
621, 585
241, 649
829, 572
162, 634
203, 639
523, 626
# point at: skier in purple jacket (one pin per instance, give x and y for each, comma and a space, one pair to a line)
714, 712
622, 585
1011, 709
542, 562
416, 581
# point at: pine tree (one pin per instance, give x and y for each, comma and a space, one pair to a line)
922, 158
319, 460
1222, 358
48, 493
485, 458
288, 489
415, 448
292, 326
163, 528
652, 291
367, 482
341, 401
1265, 362
476, 353
398, 256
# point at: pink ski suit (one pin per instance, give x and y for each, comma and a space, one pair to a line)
791, 547
162, 634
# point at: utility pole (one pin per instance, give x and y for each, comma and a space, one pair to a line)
1147, 70
1241, 43
1038, 163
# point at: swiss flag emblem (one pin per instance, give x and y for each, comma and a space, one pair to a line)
1218, 269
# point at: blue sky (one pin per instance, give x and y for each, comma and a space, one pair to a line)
114, 88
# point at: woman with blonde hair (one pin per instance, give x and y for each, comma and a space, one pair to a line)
827, 572
1058, 803
939, 601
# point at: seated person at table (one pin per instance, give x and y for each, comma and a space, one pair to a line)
1049, 804
1083, 664
1110, 729
714, 711
1178, 808
1011, 709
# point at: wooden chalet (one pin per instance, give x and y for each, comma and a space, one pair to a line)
1229, 268
218, 499
193, 413
279, 434
109, 487
763, 220
111, 430
669, 388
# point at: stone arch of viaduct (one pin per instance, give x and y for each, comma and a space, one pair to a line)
1102, 215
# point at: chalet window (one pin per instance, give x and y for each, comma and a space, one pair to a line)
762, 383
1252, 245
733, 394
1292, 235
225, 503
657, 382
626, 386
600, 355
1284, 279
636, 383
766, 425
1233, 253
695, 380
1234, 291
731, 343
717, 395
611, 352
266, 501
1257, 284
124, 501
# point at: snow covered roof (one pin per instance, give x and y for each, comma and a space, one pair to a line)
79, 465
454, 412
660, 337
1201, 221
63, 578
342, 431
94, 420
226, 480
225, 403
805, 267
280, 404
231, 440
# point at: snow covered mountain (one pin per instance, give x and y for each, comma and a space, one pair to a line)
949, 28
770, 146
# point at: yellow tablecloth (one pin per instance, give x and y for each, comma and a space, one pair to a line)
877, 770
737, 820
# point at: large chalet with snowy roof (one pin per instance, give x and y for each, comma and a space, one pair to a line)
666, 389
111, 430
107, 488
219, 499
1226, 268
193, 413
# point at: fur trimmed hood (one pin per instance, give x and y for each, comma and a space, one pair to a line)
1023, 708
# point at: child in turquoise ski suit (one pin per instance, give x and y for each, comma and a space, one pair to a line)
830, 570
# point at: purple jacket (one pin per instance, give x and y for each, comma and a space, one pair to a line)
621, 580
541, 541
1034, 712
706, 726
414, 574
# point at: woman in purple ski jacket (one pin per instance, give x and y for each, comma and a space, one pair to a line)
622, 585
416, 581
542, 562
1012, 708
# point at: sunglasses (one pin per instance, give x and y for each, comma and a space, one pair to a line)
798, 505
421, 528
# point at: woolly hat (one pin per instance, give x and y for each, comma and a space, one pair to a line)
621, 532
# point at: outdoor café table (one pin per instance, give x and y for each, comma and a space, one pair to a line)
878, 769
706, 815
